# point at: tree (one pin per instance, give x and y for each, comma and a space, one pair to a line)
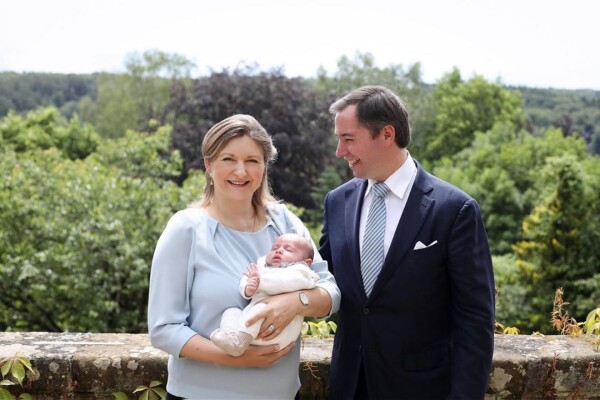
463, 108
500, 169
151, 76
578, 111
560, 238
131, 100
77, 235
45, 128
114, 110
29, 91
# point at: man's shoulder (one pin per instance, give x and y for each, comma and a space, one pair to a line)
352, 184
439, 188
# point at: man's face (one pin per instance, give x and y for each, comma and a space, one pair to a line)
358, 148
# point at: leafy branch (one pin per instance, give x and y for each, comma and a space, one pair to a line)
16, 370
150, 392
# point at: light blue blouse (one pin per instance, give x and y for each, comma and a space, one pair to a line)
195, 276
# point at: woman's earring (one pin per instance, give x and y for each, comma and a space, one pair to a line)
210, 181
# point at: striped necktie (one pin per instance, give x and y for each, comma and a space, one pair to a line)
372, 249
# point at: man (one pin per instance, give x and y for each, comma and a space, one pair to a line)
416, 319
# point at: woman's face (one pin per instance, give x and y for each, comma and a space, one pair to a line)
238, 169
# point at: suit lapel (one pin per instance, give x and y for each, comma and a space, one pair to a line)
415, 213
353, 205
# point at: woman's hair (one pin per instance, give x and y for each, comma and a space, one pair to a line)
376, 107
219, 136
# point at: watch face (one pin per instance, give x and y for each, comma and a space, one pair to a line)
304, 298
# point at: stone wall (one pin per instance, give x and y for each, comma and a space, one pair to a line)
92, 366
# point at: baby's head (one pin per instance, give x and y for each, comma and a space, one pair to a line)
289, 248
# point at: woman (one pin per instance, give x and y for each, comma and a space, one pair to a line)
196, 268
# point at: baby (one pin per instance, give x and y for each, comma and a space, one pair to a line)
286, 268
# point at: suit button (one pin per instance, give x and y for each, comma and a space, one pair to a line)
366, 311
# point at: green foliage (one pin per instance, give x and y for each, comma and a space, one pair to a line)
501, 170
77, 236
464, 108
361, 71
150, 77
591, 326
561, 235
150, 392
575, 112
115, 110
45, 128
16, 370
129, 101
142, 155
513, 305
328, 180
28, 91
321, 329
538, 196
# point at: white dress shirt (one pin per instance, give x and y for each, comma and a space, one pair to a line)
400, 184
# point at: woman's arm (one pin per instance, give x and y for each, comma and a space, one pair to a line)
170, 276
201, 349
168, 310
282, 308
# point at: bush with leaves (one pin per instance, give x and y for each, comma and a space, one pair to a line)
501, 170
539, 200
561, 236
77, 236
462, 108
322, 329
45, 128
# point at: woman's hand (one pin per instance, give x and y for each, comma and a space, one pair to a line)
262, 356
202, 349
278, 313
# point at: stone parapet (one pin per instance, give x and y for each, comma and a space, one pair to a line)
93, 366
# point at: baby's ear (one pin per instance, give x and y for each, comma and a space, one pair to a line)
308, 261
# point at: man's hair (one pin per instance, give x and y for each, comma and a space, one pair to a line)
376, 107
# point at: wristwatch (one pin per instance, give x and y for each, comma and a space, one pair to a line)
303, 298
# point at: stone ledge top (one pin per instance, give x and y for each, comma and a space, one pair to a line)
508, 348
99, 364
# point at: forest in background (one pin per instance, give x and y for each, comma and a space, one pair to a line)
94, 165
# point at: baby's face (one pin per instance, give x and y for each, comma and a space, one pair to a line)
286, 250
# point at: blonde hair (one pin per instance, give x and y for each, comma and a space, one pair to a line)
219, 136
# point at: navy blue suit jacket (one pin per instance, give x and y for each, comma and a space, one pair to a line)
427, 329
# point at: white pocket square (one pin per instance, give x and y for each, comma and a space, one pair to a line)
421, 246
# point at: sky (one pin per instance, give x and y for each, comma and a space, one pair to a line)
533, 43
